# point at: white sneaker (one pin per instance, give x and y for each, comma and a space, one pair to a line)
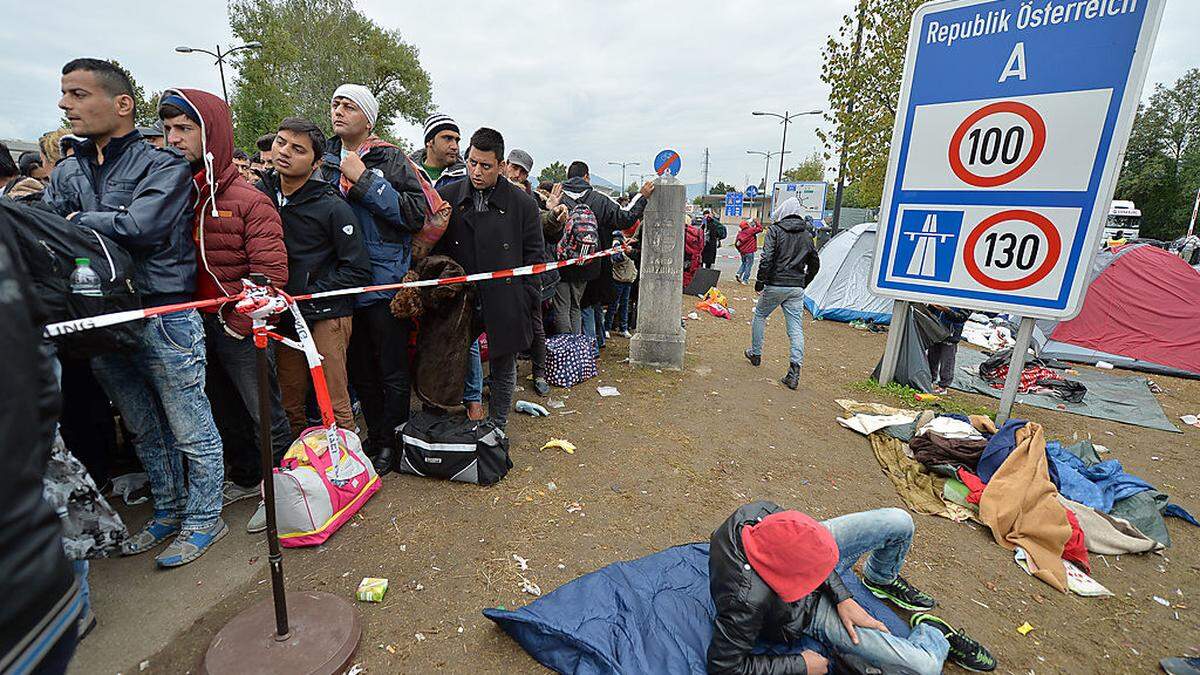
258, 521
232, 492
625, 334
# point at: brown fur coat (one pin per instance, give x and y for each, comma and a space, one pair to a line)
444, 333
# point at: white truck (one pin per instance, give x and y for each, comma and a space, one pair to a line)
1124, 221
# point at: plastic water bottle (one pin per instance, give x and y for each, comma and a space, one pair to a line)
84, 280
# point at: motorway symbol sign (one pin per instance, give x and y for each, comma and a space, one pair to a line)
1011, 127
667, 161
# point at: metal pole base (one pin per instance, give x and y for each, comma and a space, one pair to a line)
323, 636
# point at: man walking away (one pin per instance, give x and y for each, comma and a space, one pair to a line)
494, 226
325, 252
237, 233
609, 216
789, 264
714, 232
376, 179
141, 196
747, 246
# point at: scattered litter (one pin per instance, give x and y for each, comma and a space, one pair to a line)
574, 507
551, 486
607, 391
356, 669
981, 604
568, 412
1104, 364
1190, 420
419, 587
562, 566
693, 316
1155, 388
531, 588
420, 637
560, 443
371, 589
1155, 458
555, 403
126, 484
532, 409
460, 630
926, 398
1025, 628
1162, 601
144, 665
523, 563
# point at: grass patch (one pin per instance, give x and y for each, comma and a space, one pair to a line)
907, 397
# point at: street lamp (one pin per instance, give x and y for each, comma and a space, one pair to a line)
220, 57
786, 117
766, 169
623, 165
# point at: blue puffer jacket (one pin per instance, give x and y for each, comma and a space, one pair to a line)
141, 196
389, 206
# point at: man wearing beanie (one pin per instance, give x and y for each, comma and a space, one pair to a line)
439, 159
378, 181
774, 575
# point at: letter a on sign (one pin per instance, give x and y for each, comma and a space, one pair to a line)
1015, 65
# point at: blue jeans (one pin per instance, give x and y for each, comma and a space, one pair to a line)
473, 387
886, 535
791, 299
593, 324
158, 387
743, 273
618, 311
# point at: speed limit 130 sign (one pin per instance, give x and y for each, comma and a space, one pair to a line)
1012, 123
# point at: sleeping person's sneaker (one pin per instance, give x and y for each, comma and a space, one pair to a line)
901, 594
191, 544
964, 651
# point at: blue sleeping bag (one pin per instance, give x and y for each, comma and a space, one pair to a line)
650, 615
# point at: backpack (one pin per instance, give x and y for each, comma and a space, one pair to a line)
49, 245
721, 232
453, 448
581, 235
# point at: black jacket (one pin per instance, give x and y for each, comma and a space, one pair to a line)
507, 235
36, 580
609, 216
789, 256
141, 196
747, 608
324, 245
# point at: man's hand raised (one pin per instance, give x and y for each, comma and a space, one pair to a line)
647, 189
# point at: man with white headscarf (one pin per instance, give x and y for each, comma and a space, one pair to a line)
382, 188
789, 264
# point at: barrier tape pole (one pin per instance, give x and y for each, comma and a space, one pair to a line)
105, 320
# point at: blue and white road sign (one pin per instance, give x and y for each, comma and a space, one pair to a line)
751, 191
667, 161
733, 204
1012, 123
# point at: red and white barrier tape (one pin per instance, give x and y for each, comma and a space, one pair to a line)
103, 320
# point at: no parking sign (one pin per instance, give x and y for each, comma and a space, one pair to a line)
1011, 128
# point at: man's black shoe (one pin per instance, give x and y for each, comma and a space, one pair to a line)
792, 379
964, 651
901, 594
755, 359
382, 461
541, 386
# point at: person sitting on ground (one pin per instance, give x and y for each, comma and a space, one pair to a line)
942, 354
789, 264
774, 575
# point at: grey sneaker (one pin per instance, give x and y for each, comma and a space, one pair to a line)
191, 544
153, 533
258, 521
232, 492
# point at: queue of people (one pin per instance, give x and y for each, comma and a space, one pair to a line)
310, 214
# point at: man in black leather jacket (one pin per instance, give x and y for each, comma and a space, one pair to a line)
789, 264
774, 577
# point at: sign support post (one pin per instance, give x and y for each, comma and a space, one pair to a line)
895, 334
1016, 366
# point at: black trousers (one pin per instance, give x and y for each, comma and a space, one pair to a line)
941, 357
379, 371
537, 351
87, 423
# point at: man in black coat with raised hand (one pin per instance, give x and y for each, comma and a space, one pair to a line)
495, 226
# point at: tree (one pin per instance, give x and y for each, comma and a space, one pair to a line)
309, 48
721, 188
1162, 161
869, 82
633, 187
811, 169
553, 173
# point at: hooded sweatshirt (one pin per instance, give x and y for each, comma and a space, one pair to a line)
236, 227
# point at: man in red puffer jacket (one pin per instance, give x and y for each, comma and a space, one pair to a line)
238, 233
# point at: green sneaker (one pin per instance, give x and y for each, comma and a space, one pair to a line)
964, 651
902, 594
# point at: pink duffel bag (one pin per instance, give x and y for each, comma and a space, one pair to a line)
316, 491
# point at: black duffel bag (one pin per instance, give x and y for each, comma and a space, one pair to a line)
452, 448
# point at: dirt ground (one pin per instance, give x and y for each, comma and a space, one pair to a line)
663, 464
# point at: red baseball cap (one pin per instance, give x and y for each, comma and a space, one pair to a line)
792, 552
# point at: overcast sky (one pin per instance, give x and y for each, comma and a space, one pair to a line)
610, 81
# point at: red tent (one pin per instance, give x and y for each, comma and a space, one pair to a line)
1142, 310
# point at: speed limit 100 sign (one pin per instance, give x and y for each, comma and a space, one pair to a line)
1012, 122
